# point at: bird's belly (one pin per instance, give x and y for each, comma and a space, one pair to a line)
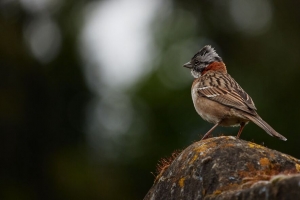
214, 112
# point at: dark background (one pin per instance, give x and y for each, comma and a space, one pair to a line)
46, 150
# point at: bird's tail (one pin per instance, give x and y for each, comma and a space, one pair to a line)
264, 125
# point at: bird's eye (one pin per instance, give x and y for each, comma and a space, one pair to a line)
196, 62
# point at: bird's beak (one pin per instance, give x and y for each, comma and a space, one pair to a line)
188, 65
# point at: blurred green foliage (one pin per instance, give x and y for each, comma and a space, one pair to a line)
44, 150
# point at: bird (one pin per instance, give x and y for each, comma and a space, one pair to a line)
218, 98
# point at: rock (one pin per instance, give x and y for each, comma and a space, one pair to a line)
228, 168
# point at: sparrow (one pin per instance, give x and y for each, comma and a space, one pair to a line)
218, 98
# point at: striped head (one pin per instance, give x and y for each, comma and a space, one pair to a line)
202, 60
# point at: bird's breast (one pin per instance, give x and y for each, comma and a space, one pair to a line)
215, 112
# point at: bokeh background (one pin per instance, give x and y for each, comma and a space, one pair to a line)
93, 93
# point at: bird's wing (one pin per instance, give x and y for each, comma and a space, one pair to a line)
227, 92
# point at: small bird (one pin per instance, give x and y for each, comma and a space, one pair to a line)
218, 98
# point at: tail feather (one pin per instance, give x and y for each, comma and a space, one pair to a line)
265, 126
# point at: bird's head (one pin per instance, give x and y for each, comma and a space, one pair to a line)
202, 60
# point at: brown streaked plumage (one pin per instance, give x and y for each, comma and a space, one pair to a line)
218, 98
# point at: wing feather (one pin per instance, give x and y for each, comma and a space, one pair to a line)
229, 93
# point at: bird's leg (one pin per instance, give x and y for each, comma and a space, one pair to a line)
209, 132
241, 129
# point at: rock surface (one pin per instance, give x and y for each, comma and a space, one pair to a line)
228, 168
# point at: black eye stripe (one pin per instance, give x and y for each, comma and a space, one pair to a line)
205, 63
196, 62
